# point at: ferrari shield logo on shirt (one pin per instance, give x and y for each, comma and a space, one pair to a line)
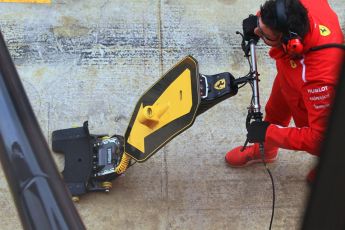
293, 64
324, 31
220, 84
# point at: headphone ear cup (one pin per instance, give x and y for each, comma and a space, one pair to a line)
294, 47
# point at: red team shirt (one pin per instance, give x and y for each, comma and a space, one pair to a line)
304, 89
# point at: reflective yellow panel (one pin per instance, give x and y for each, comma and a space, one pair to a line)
175, 102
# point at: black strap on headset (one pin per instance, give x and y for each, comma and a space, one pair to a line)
282, 22
281, 14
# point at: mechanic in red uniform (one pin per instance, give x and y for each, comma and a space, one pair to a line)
305, 83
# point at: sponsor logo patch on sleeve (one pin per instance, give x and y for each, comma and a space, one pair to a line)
320, 97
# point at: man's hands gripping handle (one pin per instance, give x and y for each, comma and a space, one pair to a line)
248, 26
257, 131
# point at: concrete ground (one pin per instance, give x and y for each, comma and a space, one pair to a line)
91, 60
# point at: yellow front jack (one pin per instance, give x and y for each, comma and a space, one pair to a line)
165, 110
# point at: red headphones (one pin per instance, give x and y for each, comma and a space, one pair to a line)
292, 42
293, 45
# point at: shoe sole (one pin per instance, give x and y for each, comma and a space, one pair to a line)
251, 162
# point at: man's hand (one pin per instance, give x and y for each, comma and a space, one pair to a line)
257, 131
248, 25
